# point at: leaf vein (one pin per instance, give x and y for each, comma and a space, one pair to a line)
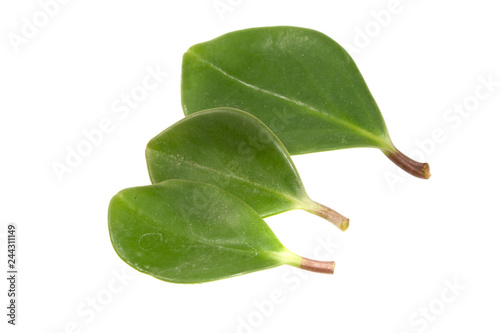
342, 122
230, 175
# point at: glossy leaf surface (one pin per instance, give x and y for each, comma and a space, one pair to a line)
298, 81
234, 150
188, 232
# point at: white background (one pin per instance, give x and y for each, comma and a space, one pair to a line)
409, 239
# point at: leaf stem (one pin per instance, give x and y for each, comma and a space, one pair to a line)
414, 168
337, 219
317, 266
307, 264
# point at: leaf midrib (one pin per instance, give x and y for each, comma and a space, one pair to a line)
327, 116
204, 241
230, 175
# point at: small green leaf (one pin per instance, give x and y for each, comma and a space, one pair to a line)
188, 232
298, 81
234, 150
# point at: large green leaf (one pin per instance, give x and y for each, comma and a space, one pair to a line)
234, 150
188, 232
298, 81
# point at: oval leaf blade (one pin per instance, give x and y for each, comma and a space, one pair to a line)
298, 81
234, 150
187, 232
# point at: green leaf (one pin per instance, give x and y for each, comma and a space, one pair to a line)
234, 150
298, 81
188, 232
